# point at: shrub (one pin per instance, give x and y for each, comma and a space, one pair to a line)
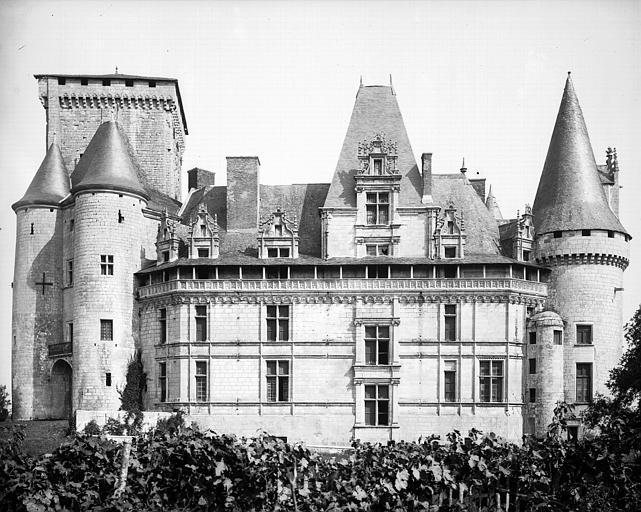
92, 428
5, 403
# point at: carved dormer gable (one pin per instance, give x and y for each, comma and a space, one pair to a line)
278, 236
524, 239
167, 240
449, 235
204, 241
378, 156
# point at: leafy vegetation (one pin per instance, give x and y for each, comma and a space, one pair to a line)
5, 403
131, 397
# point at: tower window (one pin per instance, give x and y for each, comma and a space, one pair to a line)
69, 272
532, 338
584, 335
162, 324
277, 323
277, 381
129, 83
377, 405
532, 395
121, 219
165, 256
108, 379
532, 364
106, 329
70, 332
162, 381
585, 232
152, 83
31, 228
106, 82
72, 223
201, 381
201, 323
450, 322
491, 376
558, 337
107, 264
584, 382
610, 234
449, 378
84, 81
377, 208
558, 234
377, 344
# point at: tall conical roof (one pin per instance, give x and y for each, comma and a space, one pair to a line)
107, 163
51, 182
570, 195
375, 112
493, 206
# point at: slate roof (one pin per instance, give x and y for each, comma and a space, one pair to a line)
570, 195
375, 111
50, 184
108, 163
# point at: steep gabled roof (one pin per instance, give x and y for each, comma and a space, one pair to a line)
50, 184
375, 111
570, 195
107, 163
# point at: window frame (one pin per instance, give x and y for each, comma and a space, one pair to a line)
162, 324
278, 252
202, 325
69, 272
377, 401
377, 208
377, 341
201, 381
450, 332
447, 252
450, 395
162, 381
279, 381
557, 337
532, 366
587, 383
489, 381
106, 329
106, 264
587, 328
277, 325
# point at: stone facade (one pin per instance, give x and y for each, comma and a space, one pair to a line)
389, 304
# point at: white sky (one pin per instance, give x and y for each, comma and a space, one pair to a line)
477, 79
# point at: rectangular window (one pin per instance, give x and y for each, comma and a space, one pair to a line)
532, 338
558, 337
377, 207
450, 227
107, 264
585, 232
278, 252
277, 323
201, 323
108, 379
165, 256
526, 255
491, 376
274, 272
584, 382
449, 272
201, 381
584, 335
377, 405
106, 330
152, 83
558, 234
106, 82
450, 381
203, 253
72, 222
377, 249
278, 381
84, 81
162, 381
378, 166
377, 272
162, 324
377, 344
70, 332
610, 234
278, 230
450, 252
532, 366
129, 83
532, 398
62, 81
69, 272
450, 322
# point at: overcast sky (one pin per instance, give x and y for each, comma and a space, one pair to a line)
477, 79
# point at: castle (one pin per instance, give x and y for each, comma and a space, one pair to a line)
390, 303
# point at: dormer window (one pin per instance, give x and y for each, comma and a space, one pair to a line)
278, 230
203, 230
203, 253
449, 235
377, 249
450, 227
378, 166
450, 252
165, 256
203, 240
278, 252
278, 236
377, 208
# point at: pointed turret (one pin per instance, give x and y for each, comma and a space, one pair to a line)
493, 206
107, 163
50, 184
570, 195
375, 112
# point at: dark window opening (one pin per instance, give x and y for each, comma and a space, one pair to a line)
532, 338
162, 323
378, 166
449, 272
121, 219
558, 337
162, 381
450, 252
202, 273
277, 323
584, 382
108, 379
106, 264
526, 255
201, 381
274, 272
491, 377
450, 322
532, 364
62, 81
450, 227
584, 335
203, 253
610, 234
573, 433
585, 232
152, 83
377, 344
71, 224
201, 323
129, 83
278, 252
377, 208
106, 330
532, 395
377, 405
106, 82
558, 234
278, 381
377, 271
450, 381
165, 256
84, 81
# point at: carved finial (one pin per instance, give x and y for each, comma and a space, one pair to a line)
116, 70
569, 73
463, 168
391, 84
361, 82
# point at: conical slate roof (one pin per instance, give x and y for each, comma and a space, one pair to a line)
51, 182
107, 163
493, 206
570, 195
375, 112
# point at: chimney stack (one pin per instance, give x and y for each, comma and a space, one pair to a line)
426, 162
243, 194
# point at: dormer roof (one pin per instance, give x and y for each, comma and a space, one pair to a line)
50, 184
570, 195
375, 111
493, 206
107, 163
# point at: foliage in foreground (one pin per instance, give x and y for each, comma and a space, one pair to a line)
178, 468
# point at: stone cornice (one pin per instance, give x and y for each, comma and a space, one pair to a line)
583, 259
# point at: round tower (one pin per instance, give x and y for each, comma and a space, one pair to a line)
580, 238
37, 287
109, 200
546, 349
